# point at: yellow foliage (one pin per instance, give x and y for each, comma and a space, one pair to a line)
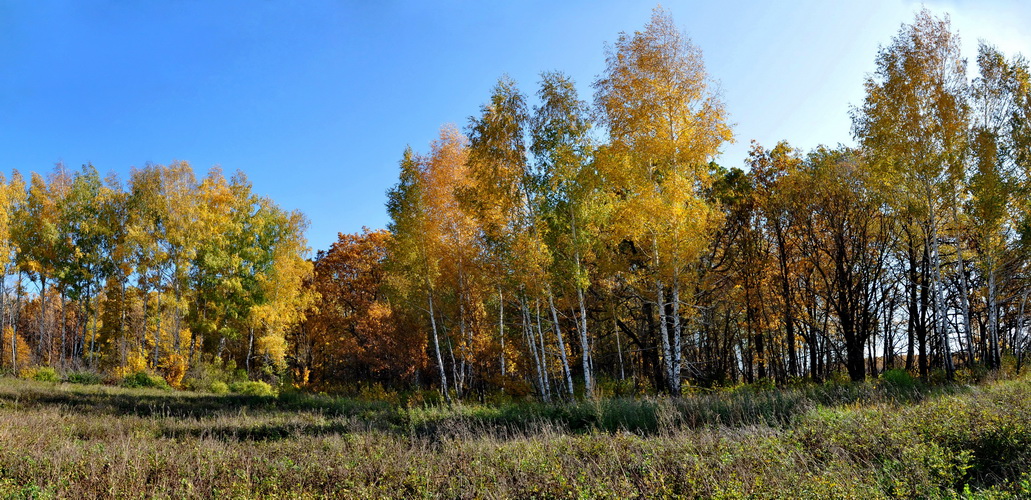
274, 347
24, 357
302, 378
135, 362
173, 368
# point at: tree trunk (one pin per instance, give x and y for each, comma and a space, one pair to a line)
43, 340
585, 345
250, 350
561, 345
157, 332
619, 349
964, 300
501, 328
941, 328
543, 347
667, 357
17, 320
993, 321
64, 331
676, 348
785, 284
531, 342
1018, 346
436, 349
3, 311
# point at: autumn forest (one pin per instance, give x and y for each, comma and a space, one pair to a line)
560, 243
577, 295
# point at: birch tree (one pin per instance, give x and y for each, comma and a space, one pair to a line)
913, 123
665, 122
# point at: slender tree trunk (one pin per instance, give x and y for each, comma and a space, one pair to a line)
143, 330
250, 350
531, 342
17, 321
676, 348
993, 320
941, 326
889, 335
176, 335
3, 312
44, 341
814, 356
436, 349
121, 326
1018, 346
157, 331
561, 345
454, 367
922, 321
64, 330
785, 285
463, 334
501, 328
585, 345
660, 302
964, 300
582, 324
543, 347
90, 305
650, 355
619, 349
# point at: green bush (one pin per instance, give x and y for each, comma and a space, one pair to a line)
85, 378
144, 379
375, 393
45, 374
219, 387
204, 374
899, 379
255, 388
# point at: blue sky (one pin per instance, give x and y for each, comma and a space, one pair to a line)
315, 101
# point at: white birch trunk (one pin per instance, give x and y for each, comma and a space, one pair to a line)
664, 333
561, 345
436, 348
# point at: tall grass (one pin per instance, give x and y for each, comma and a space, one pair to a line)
861, 441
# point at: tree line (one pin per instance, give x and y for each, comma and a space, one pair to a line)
557, 245
163, 273
557, 242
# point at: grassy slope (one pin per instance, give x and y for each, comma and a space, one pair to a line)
851, 441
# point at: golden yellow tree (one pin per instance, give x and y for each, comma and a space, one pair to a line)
913, 124
666, 124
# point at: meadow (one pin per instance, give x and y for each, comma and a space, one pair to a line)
890, 438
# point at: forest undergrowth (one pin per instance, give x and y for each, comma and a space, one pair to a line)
892, 437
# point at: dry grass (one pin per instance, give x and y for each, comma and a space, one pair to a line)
70, 441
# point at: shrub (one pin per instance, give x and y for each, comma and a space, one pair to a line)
135, 362
425, 397
41, 374
144, 379
375, 393
219, 387
255, 388
203, 373
85, 378
607, 387
898, 379
173, 367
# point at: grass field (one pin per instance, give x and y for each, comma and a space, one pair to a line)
870, 440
